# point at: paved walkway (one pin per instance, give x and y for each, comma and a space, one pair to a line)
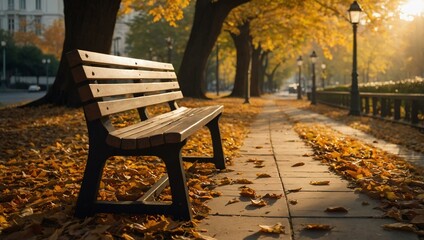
273, 141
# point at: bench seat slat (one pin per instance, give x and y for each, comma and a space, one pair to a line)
156, 134
140, 139
83, 73
114, 138
189, 126
100, 109
88, 92
93, 58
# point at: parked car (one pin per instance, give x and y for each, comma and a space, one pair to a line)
34, 88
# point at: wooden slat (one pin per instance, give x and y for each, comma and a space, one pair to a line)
97, 110
140, 138
190, 125
99, 73
88, 92
118, 138
77, 57
145, 139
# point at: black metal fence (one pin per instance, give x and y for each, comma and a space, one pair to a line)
405, 108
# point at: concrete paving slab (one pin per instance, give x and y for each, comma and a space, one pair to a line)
296, 174
310, 166
336, 184
244, 207
241, 227
252, 175
264, 186
314, 204
349, 228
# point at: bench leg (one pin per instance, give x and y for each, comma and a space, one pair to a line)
218, 152
181, 206
90, 184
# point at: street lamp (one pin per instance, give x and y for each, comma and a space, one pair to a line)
3, 45
314, 59
47, 62
323, 66
116, 46
169, 42
355, 102
217, 69
299, 87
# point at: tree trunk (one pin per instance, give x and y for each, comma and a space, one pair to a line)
208, 19
89, 25
255, 88
243, 49
262, 68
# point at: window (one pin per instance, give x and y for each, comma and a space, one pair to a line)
11, 24
38, 4
22, 4
22, 24
11, 4
37, 25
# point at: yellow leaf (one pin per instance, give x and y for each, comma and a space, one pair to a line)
391, 196
319, 182
323, 227
248, 192
277, 228
243, 181
258, 203
2, 219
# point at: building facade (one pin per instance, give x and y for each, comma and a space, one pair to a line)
37, 15
29, 15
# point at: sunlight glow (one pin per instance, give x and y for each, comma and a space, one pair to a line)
411, 8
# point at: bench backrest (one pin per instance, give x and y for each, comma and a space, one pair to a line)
110, 84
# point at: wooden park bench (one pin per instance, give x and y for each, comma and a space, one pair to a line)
110, 85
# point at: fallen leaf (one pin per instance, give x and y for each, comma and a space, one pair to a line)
263, 175
319, 183
336, 210
293, 202
234, 200
273, 195
258, 202
320, 227
299, 164
294, 190
242, 181
400, 226
277, 228
247, 192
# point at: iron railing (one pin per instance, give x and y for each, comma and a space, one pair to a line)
404, 108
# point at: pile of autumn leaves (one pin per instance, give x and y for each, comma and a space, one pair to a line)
380, 175
43, 155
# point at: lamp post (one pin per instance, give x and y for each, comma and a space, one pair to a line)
169, 42
3, 45
323, 66
299, 87
116, 46
47, 62
355, 102
314, 59
217, 69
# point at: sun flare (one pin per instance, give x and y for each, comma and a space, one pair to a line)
411, 8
